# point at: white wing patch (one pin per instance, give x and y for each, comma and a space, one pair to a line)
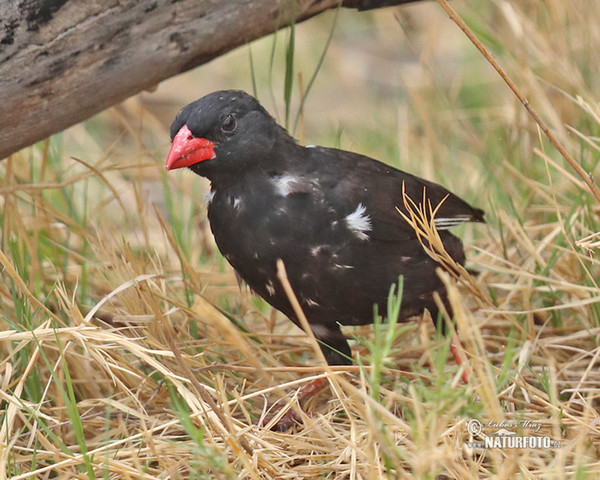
359, 222
449, 222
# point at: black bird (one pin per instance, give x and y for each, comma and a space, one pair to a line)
330, 215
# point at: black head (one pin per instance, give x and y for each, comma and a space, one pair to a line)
221, 134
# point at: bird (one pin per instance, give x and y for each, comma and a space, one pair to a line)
334, 218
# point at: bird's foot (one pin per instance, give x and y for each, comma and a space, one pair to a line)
458, 352
292, 416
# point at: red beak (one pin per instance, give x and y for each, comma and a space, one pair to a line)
188, 150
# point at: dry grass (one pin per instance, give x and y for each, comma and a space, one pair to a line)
129, 352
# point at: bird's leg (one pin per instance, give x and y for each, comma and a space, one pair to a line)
336, 350
458, 351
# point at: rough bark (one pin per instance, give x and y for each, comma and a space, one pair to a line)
61, 61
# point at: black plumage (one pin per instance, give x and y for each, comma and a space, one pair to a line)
329, 214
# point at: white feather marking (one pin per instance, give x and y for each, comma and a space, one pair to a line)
342, 267
284, 184
209, 196
449, 222
270, 288
310, 302
359, 222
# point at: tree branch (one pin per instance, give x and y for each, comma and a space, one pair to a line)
62, 61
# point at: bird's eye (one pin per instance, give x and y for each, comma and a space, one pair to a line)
229, 124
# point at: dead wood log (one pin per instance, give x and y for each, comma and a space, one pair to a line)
62, 61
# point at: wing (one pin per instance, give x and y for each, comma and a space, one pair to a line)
346, 234
379, 189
